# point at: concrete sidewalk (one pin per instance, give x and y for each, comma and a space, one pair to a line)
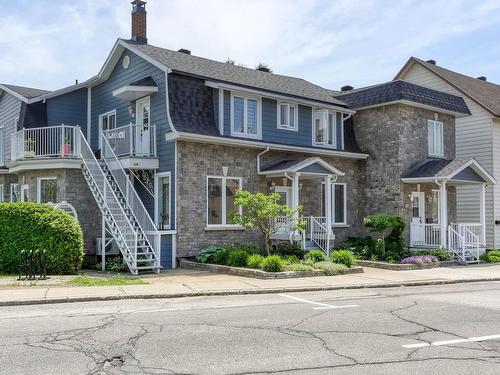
184, 283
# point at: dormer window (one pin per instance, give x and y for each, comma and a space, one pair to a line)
245, 116
288, 116
328, 129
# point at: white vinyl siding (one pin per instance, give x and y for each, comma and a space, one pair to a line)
476, 137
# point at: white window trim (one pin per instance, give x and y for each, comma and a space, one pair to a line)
259, 115
157, 198
11, 196
334, 125
24, 188
432, 148
1, 193
101, 116
224, 224
344, 223
296, 116
39, 187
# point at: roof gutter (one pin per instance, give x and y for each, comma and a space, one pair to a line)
234, 142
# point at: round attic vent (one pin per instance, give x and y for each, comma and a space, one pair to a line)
126, 62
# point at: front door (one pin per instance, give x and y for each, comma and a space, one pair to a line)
417, 227
143, 128
285, 193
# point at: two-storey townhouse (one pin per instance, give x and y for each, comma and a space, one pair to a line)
477, 136
151, 151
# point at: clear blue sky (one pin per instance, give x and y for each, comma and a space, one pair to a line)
50, 43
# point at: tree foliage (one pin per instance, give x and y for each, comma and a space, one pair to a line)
391, 229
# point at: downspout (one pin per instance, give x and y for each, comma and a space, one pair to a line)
258, 158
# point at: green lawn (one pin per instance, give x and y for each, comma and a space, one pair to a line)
103, 281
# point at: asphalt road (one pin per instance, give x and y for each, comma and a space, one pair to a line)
452, 329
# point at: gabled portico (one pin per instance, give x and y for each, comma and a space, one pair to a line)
292, 172
439, 228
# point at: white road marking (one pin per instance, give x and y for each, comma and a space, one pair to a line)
449, 342
323, 305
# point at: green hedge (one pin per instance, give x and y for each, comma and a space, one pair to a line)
33, 226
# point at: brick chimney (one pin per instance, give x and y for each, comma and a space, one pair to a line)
139, 26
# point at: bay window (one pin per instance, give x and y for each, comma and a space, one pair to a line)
287, 116
328, 129
245, 116
221, 194
162, 199
435, 138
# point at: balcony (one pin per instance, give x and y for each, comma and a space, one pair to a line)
134, 145
59, 145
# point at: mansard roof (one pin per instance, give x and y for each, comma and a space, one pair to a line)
400, 90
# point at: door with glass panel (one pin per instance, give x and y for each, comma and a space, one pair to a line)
143, 128
417, 227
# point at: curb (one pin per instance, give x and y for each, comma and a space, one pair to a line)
244, 292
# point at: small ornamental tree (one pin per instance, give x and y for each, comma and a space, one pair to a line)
261, 211
391, 229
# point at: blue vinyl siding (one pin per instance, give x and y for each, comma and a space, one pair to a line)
166, 251
10, 109
103, 100
167, 164
68, 109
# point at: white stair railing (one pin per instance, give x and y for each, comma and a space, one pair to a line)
116, 218
471, 244
141, 215
456, 243
320, 235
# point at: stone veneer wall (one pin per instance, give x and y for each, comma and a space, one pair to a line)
197, 160
71, 187
395, 137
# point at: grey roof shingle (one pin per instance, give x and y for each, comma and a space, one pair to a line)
278, 165
433, 168
26, 92
223, 72
487, 94
402, 90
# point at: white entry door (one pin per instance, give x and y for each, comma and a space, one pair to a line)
417, 228
143, 128
285, 193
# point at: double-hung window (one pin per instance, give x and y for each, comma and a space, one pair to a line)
287, 116
46, 191
328, 129
221, 194
245, 116
435, 138
339, 203
162, 190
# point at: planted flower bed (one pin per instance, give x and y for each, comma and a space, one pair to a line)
285, 262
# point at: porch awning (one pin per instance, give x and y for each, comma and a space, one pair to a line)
308, 166
137, 89
454, 171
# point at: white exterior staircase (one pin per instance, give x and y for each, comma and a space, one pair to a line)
122, 210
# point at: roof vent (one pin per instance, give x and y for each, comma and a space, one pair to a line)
184, 50
433, 62
482, 78
261, 67
346, 88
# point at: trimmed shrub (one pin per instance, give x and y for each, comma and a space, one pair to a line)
272, 263
362, 247
344, 257
114, 264
393, 244
237, 258
316, 256
34, 226
208, 254
290, 259
330, 268
491, 256
285, 248
299, 267
441, 254
255, 261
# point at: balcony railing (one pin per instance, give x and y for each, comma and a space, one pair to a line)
133, 140
62, 141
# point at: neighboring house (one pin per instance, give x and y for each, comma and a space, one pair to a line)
477, 136
153, 148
